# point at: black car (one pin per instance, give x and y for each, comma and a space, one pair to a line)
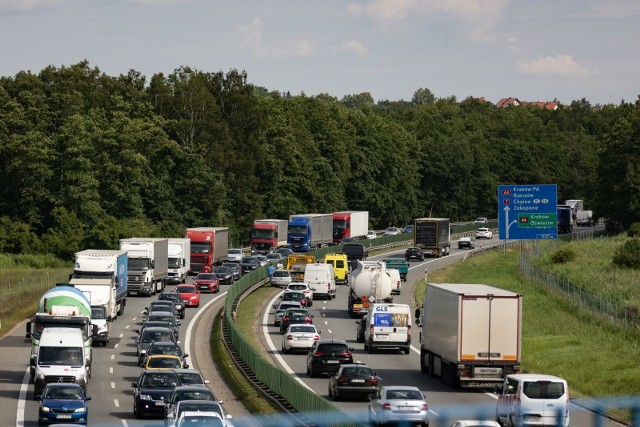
224, 275
177, 301
165, 316
294, 315
466, 243
151, 391
236, 270
249, 263
187, 392
151, 334
415, 254
327, 355
162, 347
162, 306
353, 380
285, 252
361, 328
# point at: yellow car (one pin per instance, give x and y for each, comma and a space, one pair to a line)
340, 264
161, 362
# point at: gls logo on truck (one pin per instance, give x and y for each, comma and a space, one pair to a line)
383, 308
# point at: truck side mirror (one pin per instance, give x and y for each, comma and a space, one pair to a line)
109, 319
153, 263
184, 262
417, 313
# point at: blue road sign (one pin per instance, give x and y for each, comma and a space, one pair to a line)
527, 211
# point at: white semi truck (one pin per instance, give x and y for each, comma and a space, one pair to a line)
369, 282
471, 334
179, 260
148, 264
102, 276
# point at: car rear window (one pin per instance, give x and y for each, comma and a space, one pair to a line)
333, 348
543, 390
280, 273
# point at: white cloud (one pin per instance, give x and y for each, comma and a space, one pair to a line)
253, 39
610, 9
352, 46
555, 66
28, 5
480, 15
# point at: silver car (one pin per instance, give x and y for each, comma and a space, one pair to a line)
281, 278
281, 308
399, 404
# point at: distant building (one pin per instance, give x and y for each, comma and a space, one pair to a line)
508, 102
515, 102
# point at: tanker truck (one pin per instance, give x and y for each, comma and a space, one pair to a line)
369, 282
61, 307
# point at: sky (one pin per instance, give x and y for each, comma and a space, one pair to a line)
533, 50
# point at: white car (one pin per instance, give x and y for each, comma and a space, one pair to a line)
299, 336
234, 254
303, 287
399, 404
481, 220
475, 423
201, 418
281, 278
371, 234
484, 233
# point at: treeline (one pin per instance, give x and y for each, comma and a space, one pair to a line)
87, 158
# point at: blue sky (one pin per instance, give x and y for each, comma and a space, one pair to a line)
534, 50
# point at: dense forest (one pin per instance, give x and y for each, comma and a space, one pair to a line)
87, 158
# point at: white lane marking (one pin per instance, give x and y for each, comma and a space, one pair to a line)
330, 331
113, 356
272, 347
124, 423
111, 370
121, 335
134, 319
113, 385
116, 403
326, 323
126, 327
22, 399
116, 346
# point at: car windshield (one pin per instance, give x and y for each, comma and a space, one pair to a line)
164, 362
73, 393
234, 251
543, 390
202, 394
186, 289
206, 276
170, 349
201, 420
296, 312
333, 348
169, 318
186, 406
249, 260
190, 378
170, 297
359, 371
168, 379
151, 336
280, 273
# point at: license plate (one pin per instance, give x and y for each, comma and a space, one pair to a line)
357, 380
405, 408
357, 305
382, 337
302, 338
159, 403
63, 417
333, 361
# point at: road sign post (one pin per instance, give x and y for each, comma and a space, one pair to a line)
527, 211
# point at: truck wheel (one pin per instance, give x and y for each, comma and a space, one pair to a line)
424, 368
371, 349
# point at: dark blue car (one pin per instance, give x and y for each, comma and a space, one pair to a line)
63, 403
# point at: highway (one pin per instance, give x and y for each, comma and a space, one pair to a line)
115, 366
394, 367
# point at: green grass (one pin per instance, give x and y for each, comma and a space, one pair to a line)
593, 271
21, 288
241, 388
596, 358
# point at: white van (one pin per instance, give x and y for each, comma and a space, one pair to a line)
321, 278
61, 358
533, 399
388, 326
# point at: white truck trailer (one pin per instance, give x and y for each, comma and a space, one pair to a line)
369, 282
471, 334
148, 264
179, 260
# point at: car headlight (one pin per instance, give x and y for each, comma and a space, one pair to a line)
193, 298
45, 409
145, 397
80, 410
179, 307
40, 376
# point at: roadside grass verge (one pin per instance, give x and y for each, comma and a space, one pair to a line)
593, 271
21, 288
248, 311
596, 358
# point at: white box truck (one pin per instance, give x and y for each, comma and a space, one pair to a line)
353, 224
179, 260
148, 264
471, 334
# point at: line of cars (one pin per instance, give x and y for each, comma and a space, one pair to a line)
167, 387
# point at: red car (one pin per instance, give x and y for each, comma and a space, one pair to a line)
207, 282
190, 294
